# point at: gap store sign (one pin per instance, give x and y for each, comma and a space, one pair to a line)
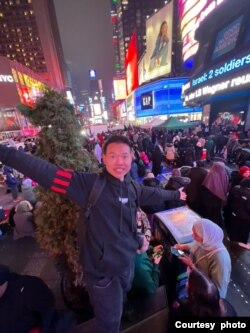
227, 76
161, 98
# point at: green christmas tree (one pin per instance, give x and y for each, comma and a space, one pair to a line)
60, 143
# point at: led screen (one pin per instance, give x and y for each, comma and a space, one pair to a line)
157, 59
227, 38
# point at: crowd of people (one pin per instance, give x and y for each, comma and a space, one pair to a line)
123, 253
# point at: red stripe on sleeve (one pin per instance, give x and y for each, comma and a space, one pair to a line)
58, 189
64, 174
61, 182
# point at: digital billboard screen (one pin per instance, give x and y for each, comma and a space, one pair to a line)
227, 38
157, 59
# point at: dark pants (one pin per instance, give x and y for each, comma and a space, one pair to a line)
107, 297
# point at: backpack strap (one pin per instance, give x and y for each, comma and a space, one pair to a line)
138, 190
95, 193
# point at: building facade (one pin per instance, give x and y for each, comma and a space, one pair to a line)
126, 17
29, 35
221, 78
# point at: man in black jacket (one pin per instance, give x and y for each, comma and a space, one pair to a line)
110, 239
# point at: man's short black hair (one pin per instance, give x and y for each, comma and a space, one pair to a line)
117, 139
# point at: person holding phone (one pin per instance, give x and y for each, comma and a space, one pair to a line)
147, 273
208, 253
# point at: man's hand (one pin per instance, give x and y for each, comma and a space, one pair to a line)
183, 195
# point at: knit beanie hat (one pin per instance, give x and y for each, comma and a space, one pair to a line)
243, 169
4, 274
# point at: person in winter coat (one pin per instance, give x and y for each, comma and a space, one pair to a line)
197, 176
214, 193
189, 157
238, 214
110, 241
11, 182
157, 157
147, 273
173, 184
170, 152
208, 254
28, 192
238, 175
24, 220
144, 158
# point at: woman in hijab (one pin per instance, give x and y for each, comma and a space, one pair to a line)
214, 192
23, 218
208, 254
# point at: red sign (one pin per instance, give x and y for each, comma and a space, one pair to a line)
131, 65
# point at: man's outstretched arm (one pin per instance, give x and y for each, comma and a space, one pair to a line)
45, 174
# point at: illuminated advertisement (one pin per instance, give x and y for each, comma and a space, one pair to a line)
192, 13
8, 121
131, 65
225, 77
147, 100
120, 90
157, 59
97, 109
166, 98
227, 38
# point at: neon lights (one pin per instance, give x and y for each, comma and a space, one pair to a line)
218, 87
6, 78
227, 67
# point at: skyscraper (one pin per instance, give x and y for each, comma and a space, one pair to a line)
126, 16
29, 35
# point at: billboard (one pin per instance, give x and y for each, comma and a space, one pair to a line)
120, 89
162, 97
157, 59
192, 13
227, 38
131, 65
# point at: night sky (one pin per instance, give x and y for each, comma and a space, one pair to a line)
86, 35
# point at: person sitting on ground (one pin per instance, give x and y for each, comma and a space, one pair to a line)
147, 273
24, 220
203, 299
27, 303
209, 254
